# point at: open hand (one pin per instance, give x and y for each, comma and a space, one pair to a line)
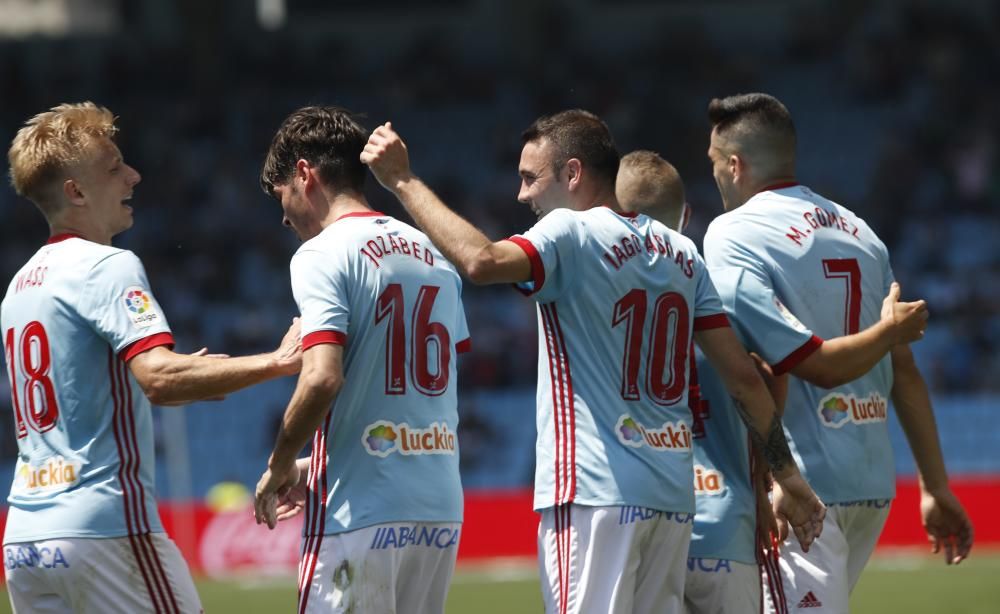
272, 487
797, 505
948, 526
288, 357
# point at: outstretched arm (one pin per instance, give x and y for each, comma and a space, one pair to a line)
802, 509
479, 259
845, 359
168, 378
320, 382
944, 518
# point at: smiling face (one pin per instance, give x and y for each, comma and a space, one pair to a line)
542, 188
104, 183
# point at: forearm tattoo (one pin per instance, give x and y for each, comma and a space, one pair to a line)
773, 444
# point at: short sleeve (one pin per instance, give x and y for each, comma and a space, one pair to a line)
118, 304
320, 291
551, 245
763, 323
708, 310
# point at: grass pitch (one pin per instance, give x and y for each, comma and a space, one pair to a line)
905, 582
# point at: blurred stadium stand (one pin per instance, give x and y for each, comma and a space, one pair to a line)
895, 104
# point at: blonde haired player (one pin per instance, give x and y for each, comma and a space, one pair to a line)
87, 348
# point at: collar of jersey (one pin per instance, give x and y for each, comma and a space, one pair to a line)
62, 237
360, 214
780, 186
622, 213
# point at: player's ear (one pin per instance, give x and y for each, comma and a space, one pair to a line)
574, 172
304, 174
71, 190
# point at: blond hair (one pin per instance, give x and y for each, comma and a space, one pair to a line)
50, 142
649, 184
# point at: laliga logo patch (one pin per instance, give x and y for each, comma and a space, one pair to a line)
140, 308
382, 438
836, 409
672, 436
789, 316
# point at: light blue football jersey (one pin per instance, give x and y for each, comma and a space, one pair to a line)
71, 319
388, 450
793, 268
618, 299
725, 519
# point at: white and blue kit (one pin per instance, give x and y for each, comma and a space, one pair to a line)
618, 300
72, 318
384, 473
793, 268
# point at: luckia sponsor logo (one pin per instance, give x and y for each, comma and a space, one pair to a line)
837, 409
382, 438
671, 436
708, 481
56, 474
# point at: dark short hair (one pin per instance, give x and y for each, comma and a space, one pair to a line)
578, 134
752, 115
329, 138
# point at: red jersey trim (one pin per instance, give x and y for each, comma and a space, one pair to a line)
62, 237
716, 320
780, 186
464, 345
320, 337
360, 214
537, 268
622, 213
793, 359
146, 343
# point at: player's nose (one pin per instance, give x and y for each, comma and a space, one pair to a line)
134, 176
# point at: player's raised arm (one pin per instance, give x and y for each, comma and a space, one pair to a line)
948, 526
473, 254
801, 508
844, 359
169, 378
319, 383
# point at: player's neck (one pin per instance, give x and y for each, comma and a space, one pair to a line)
84, 231
342, 204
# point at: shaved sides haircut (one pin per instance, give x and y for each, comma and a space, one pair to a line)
757, 126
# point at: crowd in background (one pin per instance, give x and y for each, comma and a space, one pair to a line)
895, 106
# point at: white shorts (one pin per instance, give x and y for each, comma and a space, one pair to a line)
399, 567
616, 559
143, 573
715, 586
822, 579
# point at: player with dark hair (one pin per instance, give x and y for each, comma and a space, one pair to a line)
793, 269
382, 325
619, 298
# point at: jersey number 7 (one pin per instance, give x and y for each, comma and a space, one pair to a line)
39, 392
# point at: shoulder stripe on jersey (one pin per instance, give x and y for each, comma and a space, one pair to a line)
563, 407
159, 574
463, 346
146, 343
793, 359
716, 320
537, 268
323, 336
570, 406
120, 426
317, 495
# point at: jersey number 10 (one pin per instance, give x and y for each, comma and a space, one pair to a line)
669, 333
423, 333
39, 393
